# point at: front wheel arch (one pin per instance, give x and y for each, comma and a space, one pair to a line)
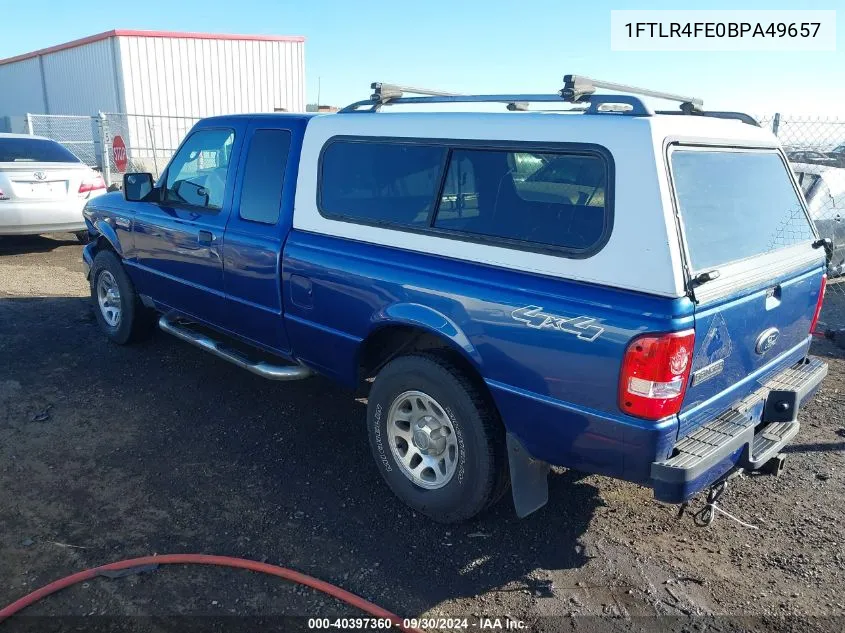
107, 238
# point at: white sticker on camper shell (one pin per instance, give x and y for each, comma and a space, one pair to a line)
581, 326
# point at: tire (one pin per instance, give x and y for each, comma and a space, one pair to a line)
83, 237
468, 421
133, 321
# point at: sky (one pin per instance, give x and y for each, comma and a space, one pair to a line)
481, 46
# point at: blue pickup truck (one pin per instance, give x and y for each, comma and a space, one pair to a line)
603, 288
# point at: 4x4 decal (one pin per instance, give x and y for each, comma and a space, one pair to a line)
581, 326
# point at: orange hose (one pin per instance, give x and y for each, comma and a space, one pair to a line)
204, 559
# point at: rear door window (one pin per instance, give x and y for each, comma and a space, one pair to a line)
735, 205
264, 174
34, 150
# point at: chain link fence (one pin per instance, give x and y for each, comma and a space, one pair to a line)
141, 142
116, 143
80, 134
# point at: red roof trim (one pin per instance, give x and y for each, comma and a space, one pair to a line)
165, 34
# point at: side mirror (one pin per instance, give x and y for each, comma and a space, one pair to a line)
136, 187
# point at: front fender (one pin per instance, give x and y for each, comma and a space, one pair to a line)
88, 254
424, 317
103, 228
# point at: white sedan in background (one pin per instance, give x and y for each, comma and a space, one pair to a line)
43, 187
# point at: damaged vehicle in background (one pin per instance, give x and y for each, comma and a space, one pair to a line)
824, 189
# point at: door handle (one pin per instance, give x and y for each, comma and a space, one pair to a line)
205, 238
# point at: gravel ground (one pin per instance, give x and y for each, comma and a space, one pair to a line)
111, 452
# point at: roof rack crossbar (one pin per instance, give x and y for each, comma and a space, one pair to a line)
578, 87
383, 92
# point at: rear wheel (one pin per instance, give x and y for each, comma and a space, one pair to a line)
83, 237
118, 310
436, 439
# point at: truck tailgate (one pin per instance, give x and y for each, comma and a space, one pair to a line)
756, 272
742, 340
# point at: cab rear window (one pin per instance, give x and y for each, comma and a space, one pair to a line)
735, 205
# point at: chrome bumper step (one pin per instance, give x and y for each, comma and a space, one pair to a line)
169, 323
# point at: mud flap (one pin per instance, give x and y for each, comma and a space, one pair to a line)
529, 479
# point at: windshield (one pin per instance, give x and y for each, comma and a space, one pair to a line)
33, 150
735, 205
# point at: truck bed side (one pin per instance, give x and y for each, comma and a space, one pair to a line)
549, 350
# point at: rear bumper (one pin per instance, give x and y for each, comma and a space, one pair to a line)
24, 217
746, 436
33, 218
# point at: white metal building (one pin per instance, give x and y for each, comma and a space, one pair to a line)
157, 73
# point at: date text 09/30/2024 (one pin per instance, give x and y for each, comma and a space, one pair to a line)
492, 624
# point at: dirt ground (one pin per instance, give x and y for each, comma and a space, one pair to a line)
111, 452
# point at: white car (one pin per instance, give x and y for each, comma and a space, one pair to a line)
43, 187
824, 189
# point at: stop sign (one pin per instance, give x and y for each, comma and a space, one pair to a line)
118, 150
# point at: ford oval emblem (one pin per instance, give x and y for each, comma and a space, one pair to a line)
767, 340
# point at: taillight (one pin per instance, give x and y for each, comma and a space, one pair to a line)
655, 372
92, 184
819, 303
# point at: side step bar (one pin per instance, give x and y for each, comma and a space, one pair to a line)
261, 368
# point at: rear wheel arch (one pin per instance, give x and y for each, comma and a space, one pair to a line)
393, 339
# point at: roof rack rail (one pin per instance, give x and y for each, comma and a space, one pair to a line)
718, 114
577, 89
